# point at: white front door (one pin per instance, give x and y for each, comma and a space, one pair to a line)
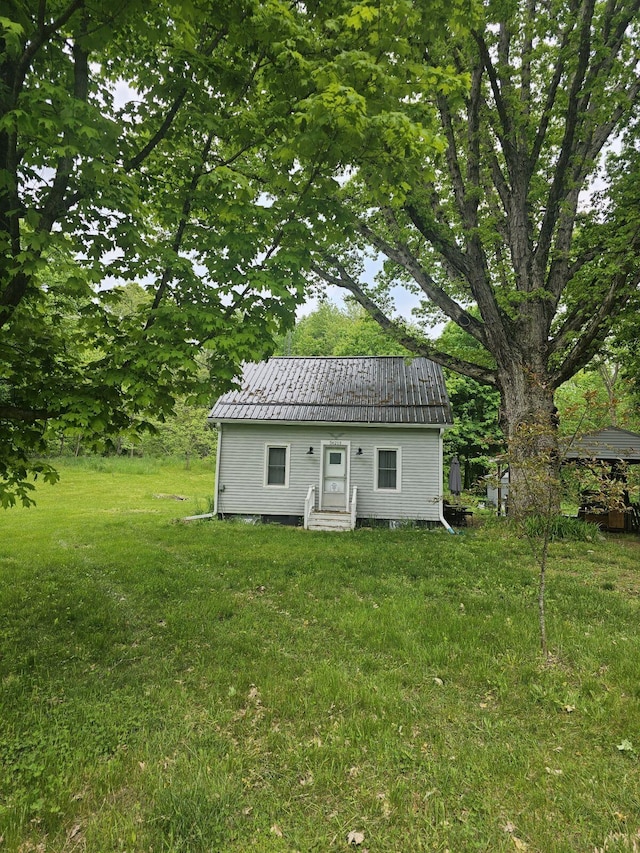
334, 478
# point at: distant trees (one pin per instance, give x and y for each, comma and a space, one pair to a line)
332, 331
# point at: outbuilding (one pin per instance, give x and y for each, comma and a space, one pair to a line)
333, 442
615, 449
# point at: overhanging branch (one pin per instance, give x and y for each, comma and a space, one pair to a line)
591, 328
401, 255
136, 161
398, 331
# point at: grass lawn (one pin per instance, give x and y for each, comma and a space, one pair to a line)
225, 687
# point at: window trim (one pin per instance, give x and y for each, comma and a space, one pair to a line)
376, 473
287, 459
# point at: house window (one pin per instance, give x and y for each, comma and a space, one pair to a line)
277, 466
388, 469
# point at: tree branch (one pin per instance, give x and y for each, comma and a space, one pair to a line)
552, 92
506, 136
455, 173
398, 331
17, 413
587, 151
137, 160
401, 255
167, 275
595, 325
500, 183
558, 185
470, 210
42, 36
527, 50
12, 295
473, 268
441, 239
56, 202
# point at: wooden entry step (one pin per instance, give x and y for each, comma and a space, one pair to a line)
328, 520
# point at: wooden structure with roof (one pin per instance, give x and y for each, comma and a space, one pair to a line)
617, 448
330, 442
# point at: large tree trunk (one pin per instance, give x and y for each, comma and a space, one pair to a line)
528, 418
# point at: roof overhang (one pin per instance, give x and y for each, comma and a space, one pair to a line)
335, 424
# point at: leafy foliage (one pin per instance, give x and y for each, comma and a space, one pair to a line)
130, 151
561, 527
476, 436
332, 331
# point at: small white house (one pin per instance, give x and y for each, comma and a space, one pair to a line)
329, 442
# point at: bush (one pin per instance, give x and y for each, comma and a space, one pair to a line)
562, 527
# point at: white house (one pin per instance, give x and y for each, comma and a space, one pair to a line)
330, 442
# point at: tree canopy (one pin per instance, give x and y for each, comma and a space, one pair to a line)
130, 150
180, 145
333, 331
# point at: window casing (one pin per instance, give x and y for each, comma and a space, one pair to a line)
388, 469
276, 466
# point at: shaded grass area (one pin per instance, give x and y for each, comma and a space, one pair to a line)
224, 687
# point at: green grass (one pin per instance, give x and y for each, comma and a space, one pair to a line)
226, 687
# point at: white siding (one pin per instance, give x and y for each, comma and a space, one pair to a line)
240, 480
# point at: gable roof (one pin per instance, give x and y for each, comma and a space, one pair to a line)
611, 443
370, 390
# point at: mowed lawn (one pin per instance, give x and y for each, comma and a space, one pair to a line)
218, 686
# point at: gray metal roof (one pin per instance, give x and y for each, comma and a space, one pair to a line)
370, 390
611, 443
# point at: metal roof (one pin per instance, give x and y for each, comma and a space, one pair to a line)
370, 390
611, 443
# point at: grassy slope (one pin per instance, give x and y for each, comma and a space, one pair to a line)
221, 687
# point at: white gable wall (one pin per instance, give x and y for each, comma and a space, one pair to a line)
241, 472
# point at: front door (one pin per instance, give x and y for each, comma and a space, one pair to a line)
334, 478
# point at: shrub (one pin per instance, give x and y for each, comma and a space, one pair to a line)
562, 527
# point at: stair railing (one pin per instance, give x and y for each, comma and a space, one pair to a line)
309, 505
354, 502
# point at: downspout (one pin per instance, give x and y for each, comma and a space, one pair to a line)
443, 520
217, 480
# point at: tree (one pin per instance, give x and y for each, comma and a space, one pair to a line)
185, 434
332, 331
316, 333
490, 203
192, 147
363, 336
164, 185
597, 397
475, 436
